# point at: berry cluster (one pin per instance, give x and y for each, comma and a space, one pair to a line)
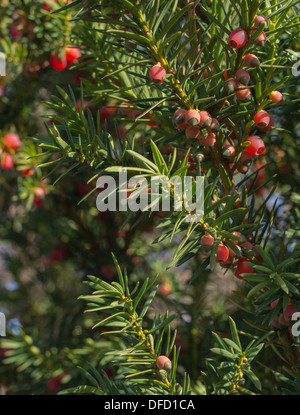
11, 144
63, 60
226, 256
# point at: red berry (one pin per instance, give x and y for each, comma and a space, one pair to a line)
242, 76
157, 73
163, 362
46, 7
268, 128
12, 141
209, 140
259, 19
222, 253
14, 31
251, 61
192, 132
242, 268
179, 119
275, 96
28, 172
238, 38
57, 63
243, 94
262, 119
205, 119
72, 54
256, 146
207, 240
192, 117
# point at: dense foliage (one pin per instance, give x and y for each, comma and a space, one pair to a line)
146, 302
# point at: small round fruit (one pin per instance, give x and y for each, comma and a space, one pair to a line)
192, 117
242, 268
228, 151
256, 146
261, 40
269, 126
259, 19
214, 126
72, 54
251, 61
207, 240
262, 119
231, 86
205, 119
179, 119
6, 161
192, 132
209, 140
12, 141
157, 73
275, 96
58, 63
222, 253
163, 362
238, 38
242, 76
243, 94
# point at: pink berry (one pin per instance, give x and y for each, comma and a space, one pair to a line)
179, 119
58, 63
228, 151
275, 96
7, 161
163, 362
209, 140
262, 119
238, 38
242, 268
192, 132
12, 141
242, 76
231, 86
192, 117
157, 73
243, 94
256, 146
259, 19
261, 40
214, 126
222, 253
72, 54
251, 61
207, 240
205, 119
